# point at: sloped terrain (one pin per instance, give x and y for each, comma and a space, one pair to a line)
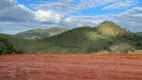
88, 39
105, 36
24, 45
76, 38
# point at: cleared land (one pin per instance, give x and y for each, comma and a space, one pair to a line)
71, 67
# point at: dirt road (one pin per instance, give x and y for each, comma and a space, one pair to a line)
70, 67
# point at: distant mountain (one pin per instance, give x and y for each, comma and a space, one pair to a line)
40, 33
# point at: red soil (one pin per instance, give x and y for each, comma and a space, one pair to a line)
71, 67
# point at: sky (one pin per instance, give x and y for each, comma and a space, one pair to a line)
22, 15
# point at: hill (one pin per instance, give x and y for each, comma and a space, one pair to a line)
75, 38
40, 33
80, 39
107, 36
110, 28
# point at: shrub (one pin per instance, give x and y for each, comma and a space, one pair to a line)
121, 48
6, 47
98, 45
131, 38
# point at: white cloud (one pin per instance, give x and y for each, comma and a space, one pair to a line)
71, 6
121, 4
16, 17
84, 20
133, 15
131, 19
48, 16
10, 10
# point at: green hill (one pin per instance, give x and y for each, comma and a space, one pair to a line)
77, 37
94, 39
80, 39
40, 33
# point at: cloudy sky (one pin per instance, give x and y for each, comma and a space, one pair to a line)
21, 15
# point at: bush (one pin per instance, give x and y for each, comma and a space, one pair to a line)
98, 45
121, 48
6, 47
131, 38
19, 51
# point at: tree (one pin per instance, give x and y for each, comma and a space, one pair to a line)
6, 47
98, 45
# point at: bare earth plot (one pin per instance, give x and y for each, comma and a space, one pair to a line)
71, 67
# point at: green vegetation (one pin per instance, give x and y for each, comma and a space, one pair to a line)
121, 48
81, 39
40, 33
139, 33
107, 37
6, 47
24, 45
35, 47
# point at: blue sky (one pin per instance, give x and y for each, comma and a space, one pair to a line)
22, 15
93, 11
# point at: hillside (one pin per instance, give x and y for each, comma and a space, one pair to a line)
107, 36
80, 39
32, 46
40, 33
24, 45
83, 35
77, 37
139, 33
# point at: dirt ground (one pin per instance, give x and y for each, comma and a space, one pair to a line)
71, 67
